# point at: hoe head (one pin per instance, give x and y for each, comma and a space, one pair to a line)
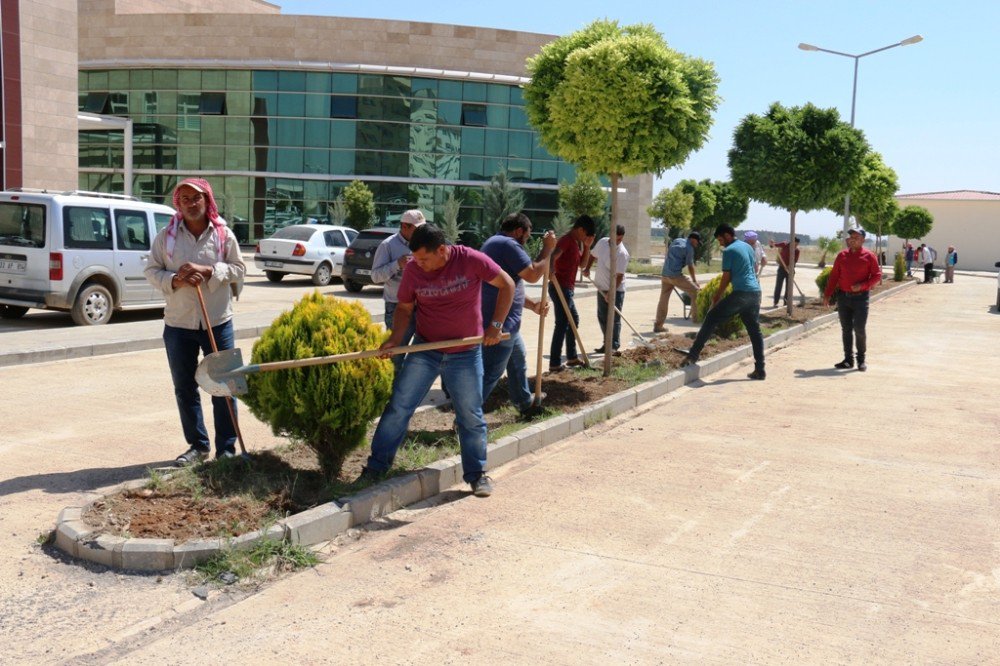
222, 374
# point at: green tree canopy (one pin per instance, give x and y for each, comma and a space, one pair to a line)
359, 205
912, 222
873, 199
500, 199
703, 204
673, 207
731, 205
584, 196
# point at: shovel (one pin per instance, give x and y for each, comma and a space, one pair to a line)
643, 342
224, 374
215, 350
802, 297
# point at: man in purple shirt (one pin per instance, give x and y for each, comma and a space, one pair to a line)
443, 283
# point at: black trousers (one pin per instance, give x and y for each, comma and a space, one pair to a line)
779, 292
928, 272
853, 311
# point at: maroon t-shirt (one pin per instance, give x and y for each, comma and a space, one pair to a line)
568, 261
448, 299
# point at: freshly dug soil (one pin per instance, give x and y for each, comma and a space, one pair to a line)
240, 496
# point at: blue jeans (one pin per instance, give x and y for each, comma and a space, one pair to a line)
746, 304
463, 371
561, 330
602, 317
509, 355
182, 347
390, 312
853, 311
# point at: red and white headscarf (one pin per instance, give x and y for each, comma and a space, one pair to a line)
211, 213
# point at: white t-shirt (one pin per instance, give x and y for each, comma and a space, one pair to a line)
602, 251
758, 254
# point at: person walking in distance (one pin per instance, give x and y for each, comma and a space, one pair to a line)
507, 250
950, 261
785, 261
737, 269
197, 250
680, 254
855, 272
566, 260
390, 259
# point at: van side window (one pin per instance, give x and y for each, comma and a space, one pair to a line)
22, 225
132, 230
161, 220
86, 228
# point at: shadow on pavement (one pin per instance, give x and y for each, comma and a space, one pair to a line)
77, 480
824, 372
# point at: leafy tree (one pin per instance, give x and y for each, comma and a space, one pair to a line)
329, 406
562, 223
500, 199
450, 225
584, 196
675, 209
798, 158
873, 199
899, 268
359, 204
730, 208
618, 101
912, 222
827, 245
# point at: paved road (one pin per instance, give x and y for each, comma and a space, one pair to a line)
847, 517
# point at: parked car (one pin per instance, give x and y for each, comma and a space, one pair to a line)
304, 249
360, 255
82, 252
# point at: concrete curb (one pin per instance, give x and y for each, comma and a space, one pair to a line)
324, 522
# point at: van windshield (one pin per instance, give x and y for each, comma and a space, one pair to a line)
22, 224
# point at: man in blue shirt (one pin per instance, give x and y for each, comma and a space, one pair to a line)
507, 249
680, 253
738, 270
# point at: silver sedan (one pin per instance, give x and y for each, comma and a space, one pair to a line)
304, 249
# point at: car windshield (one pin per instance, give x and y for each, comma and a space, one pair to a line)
295, 233
22, 225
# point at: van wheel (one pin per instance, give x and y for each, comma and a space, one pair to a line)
274, 276
12, 311
93, 306
352, 286
323, 275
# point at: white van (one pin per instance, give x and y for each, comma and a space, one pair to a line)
82, 252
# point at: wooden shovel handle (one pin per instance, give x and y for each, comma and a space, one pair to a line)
370, 353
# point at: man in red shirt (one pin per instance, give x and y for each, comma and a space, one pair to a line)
855, 272
785, 262
566, 260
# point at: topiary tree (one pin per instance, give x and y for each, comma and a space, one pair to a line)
912, 222
798, 158
873, 199
500, 199
359, 205
730, 208
674, 208
726, 329
899, 267
823, 278
328, 407
618, 101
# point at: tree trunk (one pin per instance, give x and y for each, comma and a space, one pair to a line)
790, 286
609, 324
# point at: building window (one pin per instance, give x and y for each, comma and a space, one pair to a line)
96, 102
344, 106
213, 104
474, 115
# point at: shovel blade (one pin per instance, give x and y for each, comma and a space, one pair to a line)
222, 373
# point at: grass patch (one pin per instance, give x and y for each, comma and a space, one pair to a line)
265, 558
644, 267
422, 448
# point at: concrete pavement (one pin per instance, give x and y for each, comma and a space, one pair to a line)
817, 517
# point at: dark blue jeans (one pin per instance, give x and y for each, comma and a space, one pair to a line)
853, 311
779, 284
183, 346
746, 304
602, 317
561, 331
390, 312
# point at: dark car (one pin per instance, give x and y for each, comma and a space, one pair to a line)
358, 259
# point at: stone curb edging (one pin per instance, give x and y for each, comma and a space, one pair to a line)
324, 522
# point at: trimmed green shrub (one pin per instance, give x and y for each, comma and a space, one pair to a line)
328, 407
823, 278
898, 267
727, 329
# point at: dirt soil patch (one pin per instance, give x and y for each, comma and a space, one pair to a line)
236, 496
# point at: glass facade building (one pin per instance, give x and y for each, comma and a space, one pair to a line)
280, 145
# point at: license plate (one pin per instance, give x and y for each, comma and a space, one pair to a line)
363, 271
13, 266
274, 264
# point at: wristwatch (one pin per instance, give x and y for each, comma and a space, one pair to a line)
497, 324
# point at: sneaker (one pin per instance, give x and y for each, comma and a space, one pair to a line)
862, 366
223, 455
191, 457
482, 487
574, 363
556, 368
369, 476
757, 374
846, 364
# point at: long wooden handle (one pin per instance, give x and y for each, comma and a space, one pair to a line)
572, 324
215, 350
541, 334
618, 311
368, 353
792, 280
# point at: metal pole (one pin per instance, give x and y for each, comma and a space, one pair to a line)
854, 98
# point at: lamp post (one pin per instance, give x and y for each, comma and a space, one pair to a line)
854, 94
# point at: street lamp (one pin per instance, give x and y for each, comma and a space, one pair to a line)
854, 95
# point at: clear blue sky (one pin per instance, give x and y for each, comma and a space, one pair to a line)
932, 109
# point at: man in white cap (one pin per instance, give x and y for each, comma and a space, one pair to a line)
391, 258
760, 258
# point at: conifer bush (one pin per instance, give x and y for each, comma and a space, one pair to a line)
823, 278
328, 407
727, 329
898, 268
